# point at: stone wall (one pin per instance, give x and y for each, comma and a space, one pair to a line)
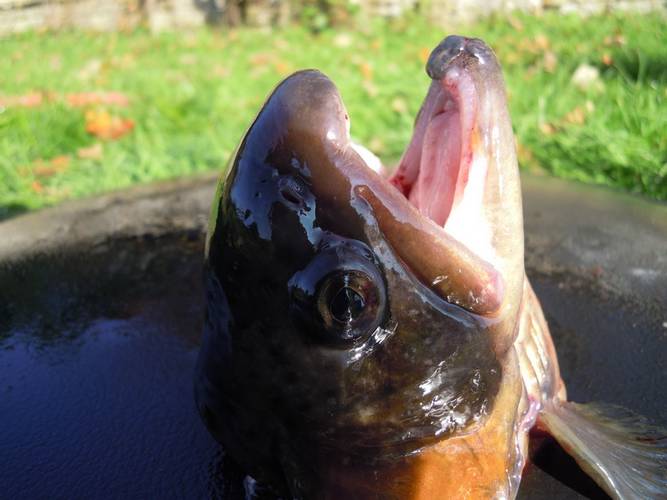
105, 15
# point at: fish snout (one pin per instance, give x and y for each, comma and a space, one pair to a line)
454, 48
311, 107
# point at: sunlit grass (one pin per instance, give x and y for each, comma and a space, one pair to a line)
192, 95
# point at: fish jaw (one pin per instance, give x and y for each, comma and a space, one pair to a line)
460, 168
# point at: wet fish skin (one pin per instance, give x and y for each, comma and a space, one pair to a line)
355, 347
362, 401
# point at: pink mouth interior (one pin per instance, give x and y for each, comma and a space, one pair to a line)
434, 169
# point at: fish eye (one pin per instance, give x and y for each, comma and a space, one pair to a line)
340, 297
348, 304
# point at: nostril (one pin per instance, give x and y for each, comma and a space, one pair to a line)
479, 49
447, 50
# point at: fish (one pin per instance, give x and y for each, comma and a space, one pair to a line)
375, 336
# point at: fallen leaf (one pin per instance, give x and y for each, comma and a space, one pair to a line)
106, 126
81, 99
259, 59
524, 154
579, 114
37, 187
615, 40
90, 69
366, 71
399, 105
576, 117
424, 53
282, 67
30, 100
542, 42
550, 61
47, 170
515, 23
93, 152
547, 128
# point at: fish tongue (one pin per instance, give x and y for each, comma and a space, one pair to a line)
433, 193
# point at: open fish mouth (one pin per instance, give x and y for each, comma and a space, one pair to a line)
451, 173
434, 170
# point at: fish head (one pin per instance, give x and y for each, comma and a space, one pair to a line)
353, 318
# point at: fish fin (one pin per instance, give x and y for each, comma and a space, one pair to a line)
619, 449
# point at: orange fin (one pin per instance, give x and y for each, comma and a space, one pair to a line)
619, 449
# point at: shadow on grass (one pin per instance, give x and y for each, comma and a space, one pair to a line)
638, 66
11, 210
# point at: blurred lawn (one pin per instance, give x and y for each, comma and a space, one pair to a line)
191, 96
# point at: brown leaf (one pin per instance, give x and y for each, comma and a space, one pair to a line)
542, 42
366, 71
260, 59
90, 69
37, 187
550, 61
399, 105
81, 99
547, 128
52, 167
282, 67
106, 126
424, 52
515, 23
93, 152
576, 117
524, 154
30, 100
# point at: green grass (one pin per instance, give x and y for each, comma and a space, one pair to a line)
193, 94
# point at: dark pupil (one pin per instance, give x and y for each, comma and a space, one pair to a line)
347, 305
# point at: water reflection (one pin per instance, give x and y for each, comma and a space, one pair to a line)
97, 353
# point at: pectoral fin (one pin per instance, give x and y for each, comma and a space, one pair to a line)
625, 455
